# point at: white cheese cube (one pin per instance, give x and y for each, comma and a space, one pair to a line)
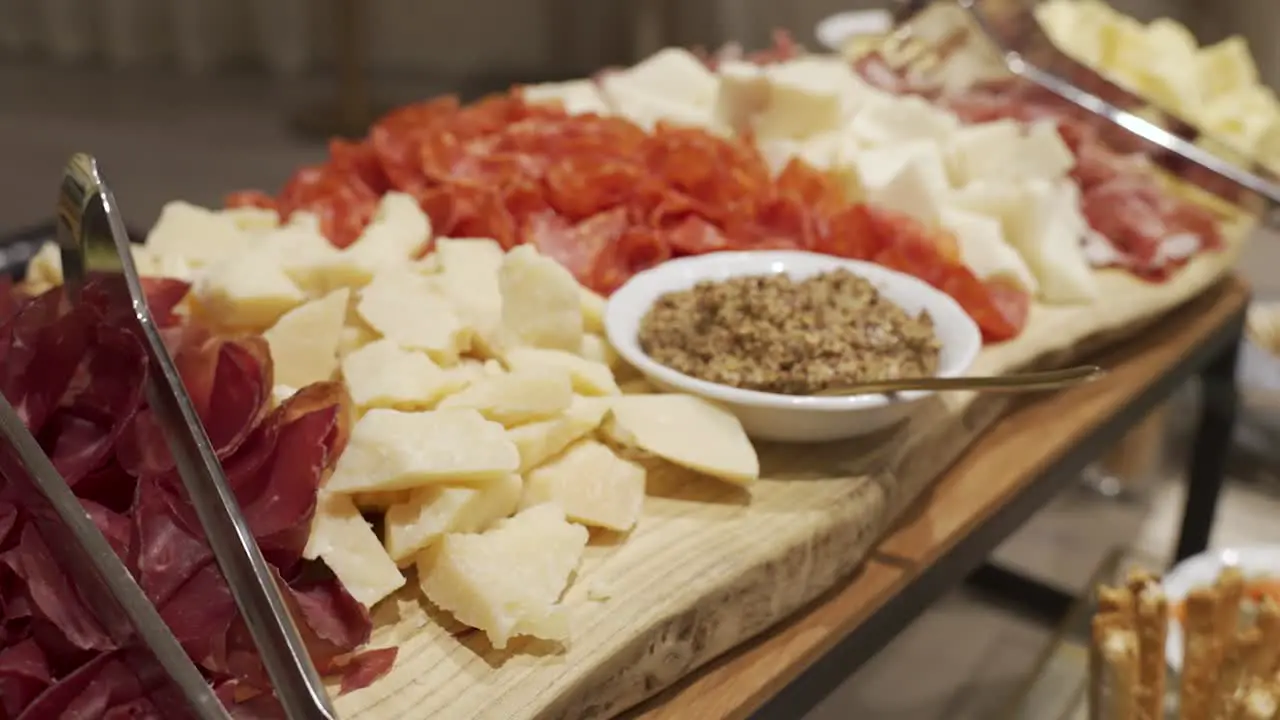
508, 580
394, 450
384, 375
199, 236
518, 397
431, 513
541, 301
342, 538
805, 99
593, 485
539, 441
578, 97
877, 166
984, 249
676, 75
647, 108
1047, 229
1000, 151
918, 189
686, 430
304, 341
406, 308
902, 119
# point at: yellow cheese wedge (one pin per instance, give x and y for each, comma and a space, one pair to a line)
539, 441
588, 377
541, 302
508, 580
246, 292
342, 538
517, 397
686, 430
403, 307
394, 450
199, 236
304, 341
384, 375
593, 485
431, 513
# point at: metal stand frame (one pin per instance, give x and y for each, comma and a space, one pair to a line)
1213, 362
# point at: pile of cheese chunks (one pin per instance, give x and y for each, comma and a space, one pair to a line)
1002, 188
491, 432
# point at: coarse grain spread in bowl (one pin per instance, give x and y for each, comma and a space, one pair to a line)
772, 333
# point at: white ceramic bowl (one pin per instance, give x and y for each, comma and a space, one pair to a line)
835, 31
788, 418
1202, 570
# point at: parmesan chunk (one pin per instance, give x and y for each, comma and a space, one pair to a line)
588, 377
247, 292
341, 537
517, 397
394, 450
384, 375
508, 580
593, 485
199, 236
430, 513
541, 302
404, 308
686, 430
541, 440
304, 342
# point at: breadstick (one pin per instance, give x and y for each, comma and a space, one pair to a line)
1263, 661
1153, 628
1113, 671
1200, 653
1231, 674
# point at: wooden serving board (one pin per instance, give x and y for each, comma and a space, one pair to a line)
710, 565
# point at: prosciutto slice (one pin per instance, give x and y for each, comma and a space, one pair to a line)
77, 375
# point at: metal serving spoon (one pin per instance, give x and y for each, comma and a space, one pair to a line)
1020, 382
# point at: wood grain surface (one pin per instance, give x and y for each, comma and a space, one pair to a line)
711, 566
998, 465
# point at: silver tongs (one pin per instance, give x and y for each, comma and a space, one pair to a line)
1010, 27
92, 238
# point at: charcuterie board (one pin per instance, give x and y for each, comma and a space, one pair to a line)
706, 570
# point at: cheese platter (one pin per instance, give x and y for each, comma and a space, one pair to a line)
478, 507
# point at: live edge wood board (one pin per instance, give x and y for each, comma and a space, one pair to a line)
710, 565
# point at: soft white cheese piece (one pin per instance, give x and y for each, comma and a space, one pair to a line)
344, 540
524, 395
588, 377
384, 375
508, 580
246, 292
1001, 151
984, 249
539, 441
199, 236
541, 301
806, 98
875, 167
578, 97
431, 513
1047, 229
918, 189
406, 308
677, 75
394, 450
743, 92
304, 341
901, 119
593, 485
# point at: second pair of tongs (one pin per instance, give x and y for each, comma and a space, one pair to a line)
1011, 29
92, 238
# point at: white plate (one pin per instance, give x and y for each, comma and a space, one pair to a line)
789, 418
835, 31
1201, 570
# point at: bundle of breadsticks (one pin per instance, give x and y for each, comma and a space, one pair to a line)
1231, 653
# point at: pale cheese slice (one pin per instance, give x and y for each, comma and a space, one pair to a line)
354, 336
471, 257
901, 119
246, 292
346, 543
647, 108
588, 377
468, 278
395, 450
687, 431
199, 236
384, 375
431, 513
397, 232
593, 485
919, 189
807, 97
304, 341
404, 307
984, 249
517, 397
1048, 230
677, 75
539, 441
875, 167
541, 301
508, 580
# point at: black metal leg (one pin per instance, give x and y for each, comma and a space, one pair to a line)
1207, 467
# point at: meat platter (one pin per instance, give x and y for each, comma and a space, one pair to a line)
476, 509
